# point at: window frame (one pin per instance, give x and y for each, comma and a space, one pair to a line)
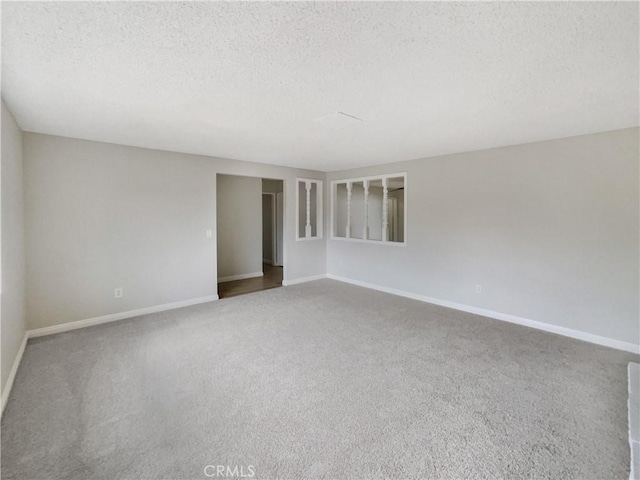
333, 207
319, 210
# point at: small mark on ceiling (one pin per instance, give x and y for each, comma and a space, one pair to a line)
338, 120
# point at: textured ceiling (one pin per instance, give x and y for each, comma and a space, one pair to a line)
257, 81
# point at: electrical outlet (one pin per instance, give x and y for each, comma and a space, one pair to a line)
478, 288
119, 292
209, 233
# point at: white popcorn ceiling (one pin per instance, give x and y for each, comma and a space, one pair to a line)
249, 80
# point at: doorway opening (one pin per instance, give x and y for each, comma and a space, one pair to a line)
250, 227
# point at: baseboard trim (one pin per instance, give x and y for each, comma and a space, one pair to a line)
242, 276
547, 327
14, 370
90, 322
295, 281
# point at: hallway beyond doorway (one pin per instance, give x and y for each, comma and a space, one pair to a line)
272, 279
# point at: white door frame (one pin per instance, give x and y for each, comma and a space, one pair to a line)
285, 256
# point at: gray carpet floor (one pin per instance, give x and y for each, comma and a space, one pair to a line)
318, 380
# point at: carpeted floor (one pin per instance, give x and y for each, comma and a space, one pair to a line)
319, 380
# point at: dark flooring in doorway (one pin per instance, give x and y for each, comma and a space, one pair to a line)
272, 279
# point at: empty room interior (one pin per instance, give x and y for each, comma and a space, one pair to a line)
320, 240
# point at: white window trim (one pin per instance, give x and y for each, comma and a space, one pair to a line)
333, 196
319, 215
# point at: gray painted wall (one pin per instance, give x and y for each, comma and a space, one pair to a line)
239, 225
271, 186
549, 229
12, 313
101, 216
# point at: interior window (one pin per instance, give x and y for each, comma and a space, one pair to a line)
371, 209
309, 209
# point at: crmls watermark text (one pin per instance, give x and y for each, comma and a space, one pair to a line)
230, 471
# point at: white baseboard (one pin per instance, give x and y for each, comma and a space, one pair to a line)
567, 332
89, 322
6, 390
242, 276
295, 281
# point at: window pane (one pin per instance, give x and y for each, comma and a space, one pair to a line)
302, 208
380, 218
357, 210
375, 209
314, 209
314, 203
395, 208
341, 210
